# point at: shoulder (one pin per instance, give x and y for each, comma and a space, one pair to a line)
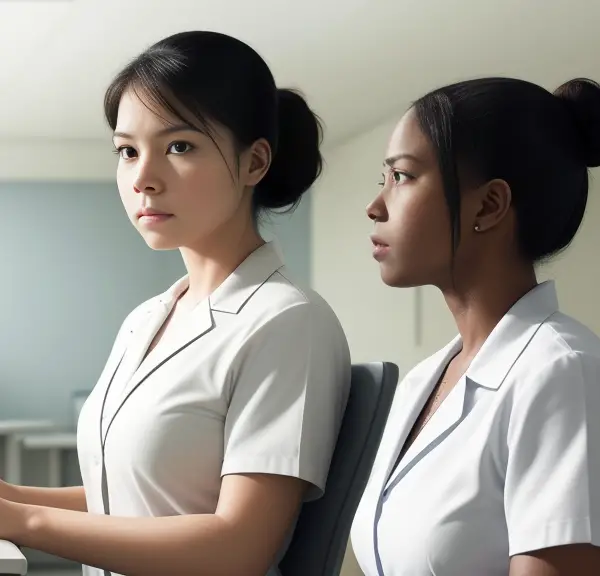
282, 289
565, 334
286, 324
557, 381
283, 300
563, 347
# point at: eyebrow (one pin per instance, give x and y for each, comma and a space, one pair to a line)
163, 132
393, 159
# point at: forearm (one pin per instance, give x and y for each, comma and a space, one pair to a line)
72, 498
179, 545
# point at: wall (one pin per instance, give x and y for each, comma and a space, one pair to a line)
57, 161
292, 232
385, 324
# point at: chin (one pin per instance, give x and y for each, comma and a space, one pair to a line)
397, 278
159, 243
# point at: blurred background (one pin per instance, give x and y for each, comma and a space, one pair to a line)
73, 267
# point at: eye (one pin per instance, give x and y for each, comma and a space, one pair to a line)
126, 152
180, 147
400, 177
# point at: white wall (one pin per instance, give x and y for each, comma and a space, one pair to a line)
57, 160
381, 322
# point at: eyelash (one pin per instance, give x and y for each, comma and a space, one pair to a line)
119, 150
393, 172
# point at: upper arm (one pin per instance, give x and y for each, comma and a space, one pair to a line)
580, 559
290, 383
552, 485
290, 387
259, 510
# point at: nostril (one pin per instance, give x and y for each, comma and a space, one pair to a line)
372, 215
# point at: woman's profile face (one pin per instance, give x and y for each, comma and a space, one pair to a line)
412, 238
411, 235
179, 189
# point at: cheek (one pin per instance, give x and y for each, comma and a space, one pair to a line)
206, 177
421, 232
129, 197
208, 192
411, 215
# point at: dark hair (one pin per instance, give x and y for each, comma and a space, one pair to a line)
540, 143
207, 78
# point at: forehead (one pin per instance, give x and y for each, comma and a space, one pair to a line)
408, 139
138, 112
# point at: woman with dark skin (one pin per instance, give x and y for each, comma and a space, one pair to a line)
490, 462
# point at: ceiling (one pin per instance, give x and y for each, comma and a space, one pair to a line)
358, 62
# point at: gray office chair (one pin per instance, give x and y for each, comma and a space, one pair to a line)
12, 562
319, 542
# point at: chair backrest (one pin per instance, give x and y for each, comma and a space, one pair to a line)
319, 542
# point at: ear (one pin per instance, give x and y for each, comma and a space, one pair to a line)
494, 201
255, 162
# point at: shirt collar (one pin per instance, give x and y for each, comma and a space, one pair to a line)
511, 336
240, 285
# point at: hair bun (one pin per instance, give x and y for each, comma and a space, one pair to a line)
583, 98
297, 160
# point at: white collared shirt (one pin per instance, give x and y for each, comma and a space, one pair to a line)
509, 463
256, 382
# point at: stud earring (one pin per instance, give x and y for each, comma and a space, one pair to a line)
477, 228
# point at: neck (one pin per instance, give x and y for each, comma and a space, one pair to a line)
481, 303
209, 266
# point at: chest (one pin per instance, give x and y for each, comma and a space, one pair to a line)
441, 509
148, 407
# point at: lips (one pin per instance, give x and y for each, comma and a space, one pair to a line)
380, 248
378, 242
150, 212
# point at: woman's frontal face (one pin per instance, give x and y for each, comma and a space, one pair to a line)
176, 184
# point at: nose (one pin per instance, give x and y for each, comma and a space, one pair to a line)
146, 180
376, 210
146, 190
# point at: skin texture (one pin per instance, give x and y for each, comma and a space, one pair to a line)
71, 498
412, 240
206, 190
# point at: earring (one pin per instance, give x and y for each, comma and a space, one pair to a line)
477, 228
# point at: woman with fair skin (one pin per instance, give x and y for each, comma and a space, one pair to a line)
218, 410
490, 462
